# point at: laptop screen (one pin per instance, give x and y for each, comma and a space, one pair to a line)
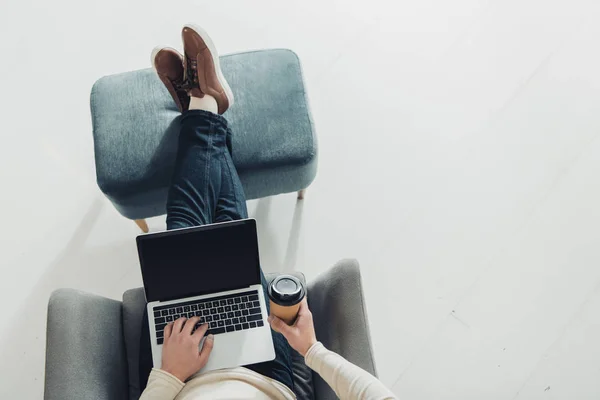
207, 259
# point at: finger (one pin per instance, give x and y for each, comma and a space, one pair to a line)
303, 307
279, 326
199, 334
206, 349
177, 325
168, 330
189, 325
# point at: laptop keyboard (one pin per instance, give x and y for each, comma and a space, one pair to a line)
229, 313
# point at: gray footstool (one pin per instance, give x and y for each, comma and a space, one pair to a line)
135, 126
92, 343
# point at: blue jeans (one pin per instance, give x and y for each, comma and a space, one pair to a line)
205, 189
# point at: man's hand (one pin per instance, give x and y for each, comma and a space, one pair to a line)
180, 355
301, 335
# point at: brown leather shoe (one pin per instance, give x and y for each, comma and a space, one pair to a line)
202, 69
168, 64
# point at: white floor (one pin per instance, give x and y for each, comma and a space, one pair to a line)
459, 163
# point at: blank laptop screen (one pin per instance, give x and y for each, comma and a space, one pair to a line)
190, 262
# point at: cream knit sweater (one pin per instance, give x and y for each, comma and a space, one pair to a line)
346, 379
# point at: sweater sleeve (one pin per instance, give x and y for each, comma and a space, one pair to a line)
346, 379
161, 386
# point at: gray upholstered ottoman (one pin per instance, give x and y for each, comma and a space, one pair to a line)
135, 125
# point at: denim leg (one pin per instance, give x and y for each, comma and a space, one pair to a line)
196, 182
206, 188
232, 206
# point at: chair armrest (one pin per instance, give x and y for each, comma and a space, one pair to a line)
339, 312
85, 353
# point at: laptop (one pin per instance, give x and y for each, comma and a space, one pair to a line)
212, 272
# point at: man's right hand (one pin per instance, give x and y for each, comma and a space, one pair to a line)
180, 355
301, 336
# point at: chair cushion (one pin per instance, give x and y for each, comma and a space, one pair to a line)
135, 127
134, 302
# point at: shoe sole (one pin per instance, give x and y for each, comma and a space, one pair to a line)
215, 55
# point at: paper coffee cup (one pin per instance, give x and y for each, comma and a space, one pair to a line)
285, 295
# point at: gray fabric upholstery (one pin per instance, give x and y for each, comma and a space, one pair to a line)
303, 383
93, 341
85, 354
134, 302
135, 125
340, 317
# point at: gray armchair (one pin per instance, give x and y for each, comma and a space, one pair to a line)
92, 342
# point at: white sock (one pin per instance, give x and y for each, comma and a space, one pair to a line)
206, 103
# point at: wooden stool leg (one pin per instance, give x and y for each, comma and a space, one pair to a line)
301, 194
142, 224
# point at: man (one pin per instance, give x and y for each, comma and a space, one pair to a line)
206, 189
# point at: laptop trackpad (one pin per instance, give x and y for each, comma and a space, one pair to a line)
240, 348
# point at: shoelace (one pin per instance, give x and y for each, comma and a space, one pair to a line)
191, 74
184, 85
